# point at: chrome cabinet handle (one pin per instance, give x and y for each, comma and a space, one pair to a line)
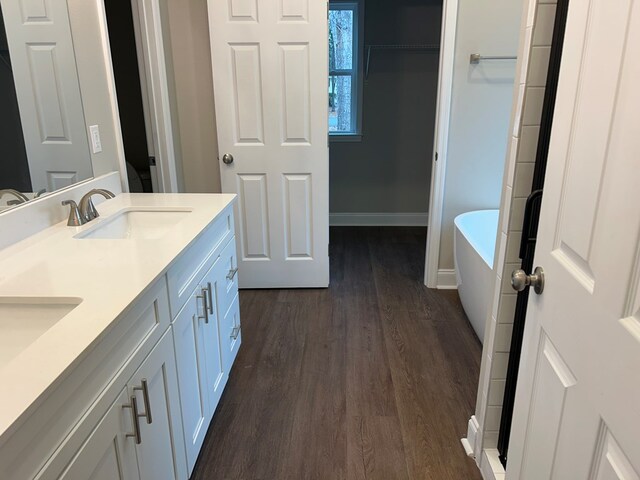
232, 273
235, 332
210, 298
135, 416
205, 305
145, 398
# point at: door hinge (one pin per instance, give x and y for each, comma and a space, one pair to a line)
436, 156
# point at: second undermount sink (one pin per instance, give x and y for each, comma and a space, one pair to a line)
24, 319
136, 224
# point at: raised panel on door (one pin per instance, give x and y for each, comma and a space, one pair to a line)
610, 461
293, 10
161, 453
48, 91
254, 215
296, 101
247, 92
189, 337
552, 382
107, 454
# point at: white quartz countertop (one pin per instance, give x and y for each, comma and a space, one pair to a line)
107, 275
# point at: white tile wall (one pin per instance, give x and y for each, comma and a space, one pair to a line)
529, 97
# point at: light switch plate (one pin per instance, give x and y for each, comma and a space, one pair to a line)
96, 143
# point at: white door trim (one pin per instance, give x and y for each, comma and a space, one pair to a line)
440, 144
149, 31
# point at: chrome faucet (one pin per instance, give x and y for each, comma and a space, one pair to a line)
21, 197
79, 215
87, 209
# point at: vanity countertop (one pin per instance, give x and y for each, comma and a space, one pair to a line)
108, 275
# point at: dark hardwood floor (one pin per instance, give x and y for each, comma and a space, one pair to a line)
373, 378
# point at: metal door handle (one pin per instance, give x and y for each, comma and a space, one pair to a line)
205, 305
227, 159
232, 273
144, 388
135, 416
520, 280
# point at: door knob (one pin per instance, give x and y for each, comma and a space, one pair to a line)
227, 158
520, 280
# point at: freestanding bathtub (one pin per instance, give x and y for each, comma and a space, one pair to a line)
474, 243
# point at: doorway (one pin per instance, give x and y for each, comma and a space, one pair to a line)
131, 89
383, 87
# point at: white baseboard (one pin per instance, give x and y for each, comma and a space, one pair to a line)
471, 441
490, 466
447, 279
379, 219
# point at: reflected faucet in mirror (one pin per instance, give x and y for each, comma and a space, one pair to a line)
20, 197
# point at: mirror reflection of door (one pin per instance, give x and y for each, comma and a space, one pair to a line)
40, 84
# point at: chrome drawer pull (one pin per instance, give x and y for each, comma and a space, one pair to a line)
205, 305
232, 273
210, 298
135, 416
145, 398
235, 332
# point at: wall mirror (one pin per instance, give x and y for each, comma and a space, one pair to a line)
45, 143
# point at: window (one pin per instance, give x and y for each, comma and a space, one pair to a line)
344, 69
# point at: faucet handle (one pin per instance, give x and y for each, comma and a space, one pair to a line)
75, 219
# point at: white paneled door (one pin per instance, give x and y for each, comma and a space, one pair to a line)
270, 70
48, 91
577, 411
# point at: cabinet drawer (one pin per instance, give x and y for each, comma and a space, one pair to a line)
227, 272
185, 274
230, 335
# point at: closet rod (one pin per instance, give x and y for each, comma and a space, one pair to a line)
430, 47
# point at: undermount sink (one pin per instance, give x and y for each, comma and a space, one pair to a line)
24, 319
135, 224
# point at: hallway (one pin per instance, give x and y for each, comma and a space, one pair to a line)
372, 378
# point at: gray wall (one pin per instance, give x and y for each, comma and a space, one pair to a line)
390, 169
480, 111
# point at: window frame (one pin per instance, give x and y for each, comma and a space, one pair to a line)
356, 72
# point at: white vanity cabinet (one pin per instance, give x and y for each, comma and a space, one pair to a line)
200, 336
138, 404
138, 437
107, 453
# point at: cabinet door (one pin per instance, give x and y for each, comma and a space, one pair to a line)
161, 451
230, 336
212, 283
107, 454
190, 337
